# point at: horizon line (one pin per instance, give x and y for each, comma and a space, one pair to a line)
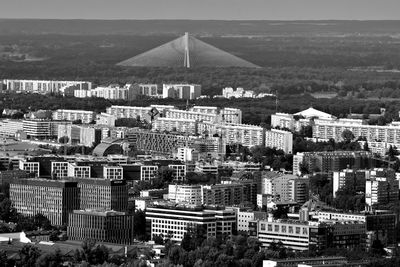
169, 19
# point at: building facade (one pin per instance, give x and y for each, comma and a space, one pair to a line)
101, 226
52, 198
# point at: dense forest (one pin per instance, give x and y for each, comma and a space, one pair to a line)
362, 66
255, 111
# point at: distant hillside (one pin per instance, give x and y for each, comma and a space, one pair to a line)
199, 28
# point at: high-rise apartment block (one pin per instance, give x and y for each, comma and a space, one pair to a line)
279, 139
330, 161
181, 91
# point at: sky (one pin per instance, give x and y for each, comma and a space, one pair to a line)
203, 9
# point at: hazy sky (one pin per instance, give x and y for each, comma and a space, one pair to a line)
202, 9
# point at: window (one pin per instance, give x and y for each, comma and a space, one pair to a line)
262, 227
270, 227
305, 231
276, 228
297, 230
290, 229
283, 229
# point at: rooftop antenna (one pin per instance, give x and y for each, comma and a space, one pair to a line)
186, 62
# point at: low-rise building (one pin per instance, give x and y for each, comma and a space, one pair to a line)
101, 226
170, 220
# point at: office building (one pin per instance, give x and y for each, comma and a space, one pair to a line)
102, 194
42, 128
31, 168
300, 236
190, 194
52, 198
101, 226
113, 172
381, 187
178, 171
170, 220
79, 171
379, 225
243, 218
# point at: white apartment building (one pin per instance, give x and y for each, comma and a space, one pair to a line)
280, 140
39, 86
340, 179
134, 112
294, 122
229, 92
245, 134
298, 190
105, 119
113, 173
188, 126
231, 115
113, 93
190, 194
73, 115
279, 186
82, 93
190, 115
150, 90
181, 91
334, 128
297, 161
